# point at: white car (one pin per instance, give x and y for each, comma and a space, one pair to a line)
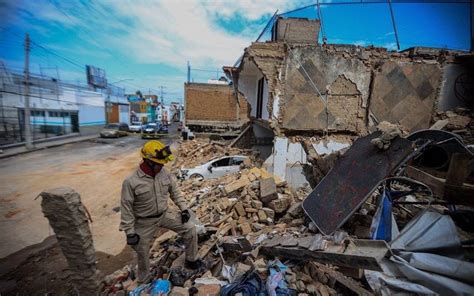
215, 168
136, 127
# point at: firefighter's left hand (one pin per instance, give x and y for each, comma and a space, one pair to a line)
185, 216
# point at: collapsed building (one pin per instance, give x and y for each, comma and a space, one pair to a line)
314, 99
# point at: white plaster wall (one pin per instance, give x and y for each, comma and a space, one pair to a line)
280, 154
276, 106
248, 86
124, 111
296, 154
286, 162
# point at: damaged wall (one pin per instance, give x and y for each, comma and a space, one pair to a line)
297, 30
213, 103
268, 58
405, 93
248, 85
344, 82
397, 87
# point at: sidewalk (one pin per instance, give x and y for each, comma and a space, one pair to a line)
9, 152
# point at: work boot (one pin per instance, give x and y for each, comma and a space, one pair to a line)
194, 264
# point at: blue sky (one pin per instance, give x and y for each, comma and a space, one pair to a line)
151, 41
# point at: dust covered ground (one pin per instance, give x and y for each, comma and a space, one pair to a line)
31, 261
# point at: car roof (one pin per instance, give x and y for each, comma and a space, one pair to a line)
225, 156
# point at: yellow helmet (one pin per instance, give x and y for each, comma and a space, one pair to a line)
157, 152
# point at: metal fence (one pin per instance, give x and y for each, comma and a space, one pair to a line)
42, 126
393, 24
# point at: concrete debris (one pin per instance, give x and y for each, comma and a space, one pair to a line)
389, 132
67, 217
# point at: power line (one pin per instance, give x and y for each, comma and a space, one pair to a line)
73, 62
51, 99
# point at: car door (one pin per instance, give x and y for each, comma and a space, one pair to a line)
220, 167
234, 165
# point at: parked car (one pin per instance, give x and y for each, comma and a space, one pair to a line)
136, 127
164, 129
214, 169
151, 130
114, 130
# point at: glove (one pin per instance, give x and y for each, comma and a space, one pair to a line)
185, 215
133, 239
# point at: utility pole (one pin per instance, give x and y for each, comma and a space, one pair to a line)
189, 73
161, 94
28, 141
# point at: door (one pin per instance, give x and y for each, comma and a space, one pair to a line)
220, 167
74, 122
113, 114
234, 165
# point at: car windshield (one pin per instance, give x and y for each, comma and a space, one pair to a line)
112, 126
150, 125
136, 123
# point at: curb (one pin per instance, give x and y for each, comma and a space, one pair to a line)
52, 145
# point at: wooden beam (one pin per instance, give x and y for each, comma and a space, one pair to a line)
436, 184
364, 254
455, 194
459, 169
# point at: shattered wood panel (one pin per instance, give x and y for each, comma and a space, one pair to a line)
405, 94
343, 82
352, 180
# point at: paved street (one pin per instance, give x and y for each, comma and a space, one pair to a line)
95, 169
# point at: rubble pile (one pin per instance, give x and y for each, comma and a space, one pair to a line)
198, 151
257, 234
236, 215
245, 202
458, 121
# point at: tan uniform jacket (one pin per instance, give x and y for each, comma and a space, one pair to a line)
143, 196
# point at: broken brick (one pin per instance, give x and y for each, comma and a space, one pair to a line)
236, 185
245, 228
262, 217
268, 190
279, 205
209, 290
239, 208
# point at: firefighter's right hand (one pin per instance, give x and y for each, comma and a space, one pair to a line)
133, 239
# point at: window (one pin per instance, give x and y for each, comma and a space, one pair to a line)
54, 114
58, 114
37, 113
221, 163
237, 160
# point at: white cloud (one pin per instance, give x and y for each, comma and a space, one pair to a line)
168, 32
176, 31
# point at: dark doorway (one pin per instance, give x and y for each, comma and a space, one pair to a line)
260, 98
75, 122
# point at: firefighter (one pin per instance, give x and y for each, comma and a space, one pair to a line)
144, 208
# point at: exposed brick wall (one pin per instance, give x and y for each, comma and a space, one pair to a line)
211, 102
296, 30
